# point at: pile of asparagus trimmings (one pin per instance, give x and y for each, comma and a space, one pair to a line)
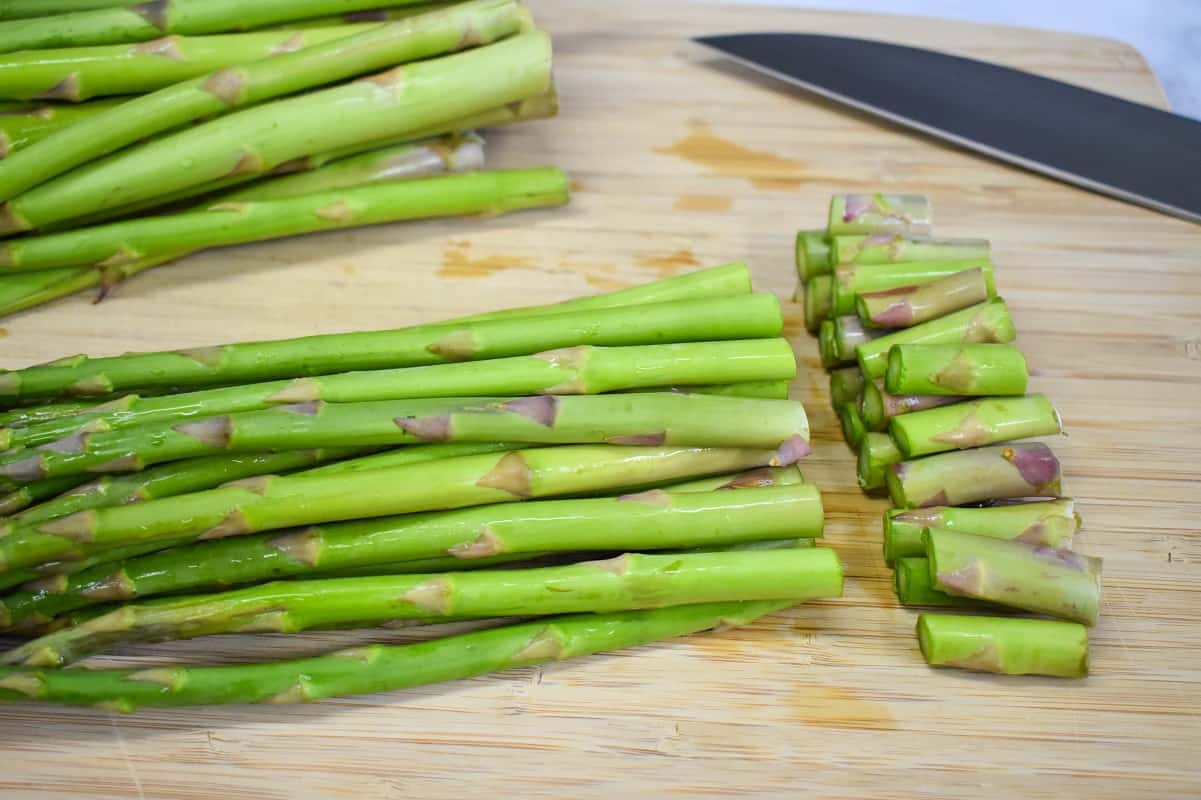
934, 390
658, 412
190, 153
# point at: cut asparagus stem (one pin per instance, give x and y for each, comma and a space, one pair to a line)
890, 248
126, 69
852, 280
655, 520
907, 306
150, 21
971, 476
852, 425
271, 503
22, 126
812, 254
744, 317
846, 386
879, 213
240, 222
818, 301
956, 369
849, 333
260, 138
986, 322
1005, 646
989, 420
375, 668
687, 420
1050, 524
1042, 580
877, 451
878, 407
577, 370
827, 344
913, 587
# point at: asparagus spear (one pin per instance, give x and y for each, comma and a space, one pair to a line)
375, 668
849, 333
656, 520
24, 125
907, 306
846, 386
1005, 646
271, 503
225, 223
970, 476
819, 301
812, 254
877, 452
151, 20
889, 248
22, 9
764, 390
914, 587
852, 280
1050, 524
744, 317
32, 493
256, 140
878, 407
852, 425
986, 421
651, 418
956, 369
32, 415
879, 213
367, 15
827, 344
575, 370
1042, 580
986, 322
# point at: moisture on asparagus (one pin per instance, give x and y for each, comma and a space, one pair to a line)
906, 306
984, 323
1051, 523
1004, 645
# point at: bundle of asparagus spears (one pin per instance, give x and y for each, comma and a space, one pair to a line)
931, 394
604, 472
202, 135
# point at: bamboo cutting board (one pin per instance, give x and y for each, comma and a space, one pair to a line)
680, 161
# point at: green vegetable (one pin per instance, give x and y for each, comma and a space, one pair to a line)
877, 451
906, 306
986, 322
1006, 646
956, 369
889, 248
879, 213
971, 476
980, 422
1050, 524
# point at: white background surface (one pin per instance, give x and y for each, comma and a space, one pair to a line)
1167, 32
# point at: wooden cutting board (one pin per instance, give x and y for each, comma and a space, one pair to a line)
680, 161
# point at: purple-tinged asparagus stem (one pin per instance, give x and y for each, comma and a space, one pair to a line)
971, 476
1050, 523
914, 587
1041, 580
982, 323
989, 420
879, 213
907, 306
878, 407
1005, 646
891, 248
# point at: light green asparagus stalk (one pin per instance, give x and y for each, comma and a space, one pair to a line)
367, 15
1049, 524
877, 452
1042, 580
890, 248
827, 344
819, 301
971, 476
984, 323
853, 430
80, 73
270, 503
655, 418
852, 214
740, 317
907, 306
852, 280
375, 668
654, 520
812, 254
846, 386
956, 369
849, 333
233, 222
24, 125
914, 587
1005, 646
257, 139
878, 407
989, 420
575, 370
764, 390
119, 23
32, 493
33, 415
23, 9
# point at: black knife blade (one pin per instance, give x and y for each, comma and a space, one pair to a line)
1130, 151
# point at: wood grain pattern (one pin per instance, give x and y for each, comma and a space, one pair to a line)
680, 160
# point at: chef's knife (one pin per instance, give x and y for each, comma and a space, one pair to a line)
1097, 141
